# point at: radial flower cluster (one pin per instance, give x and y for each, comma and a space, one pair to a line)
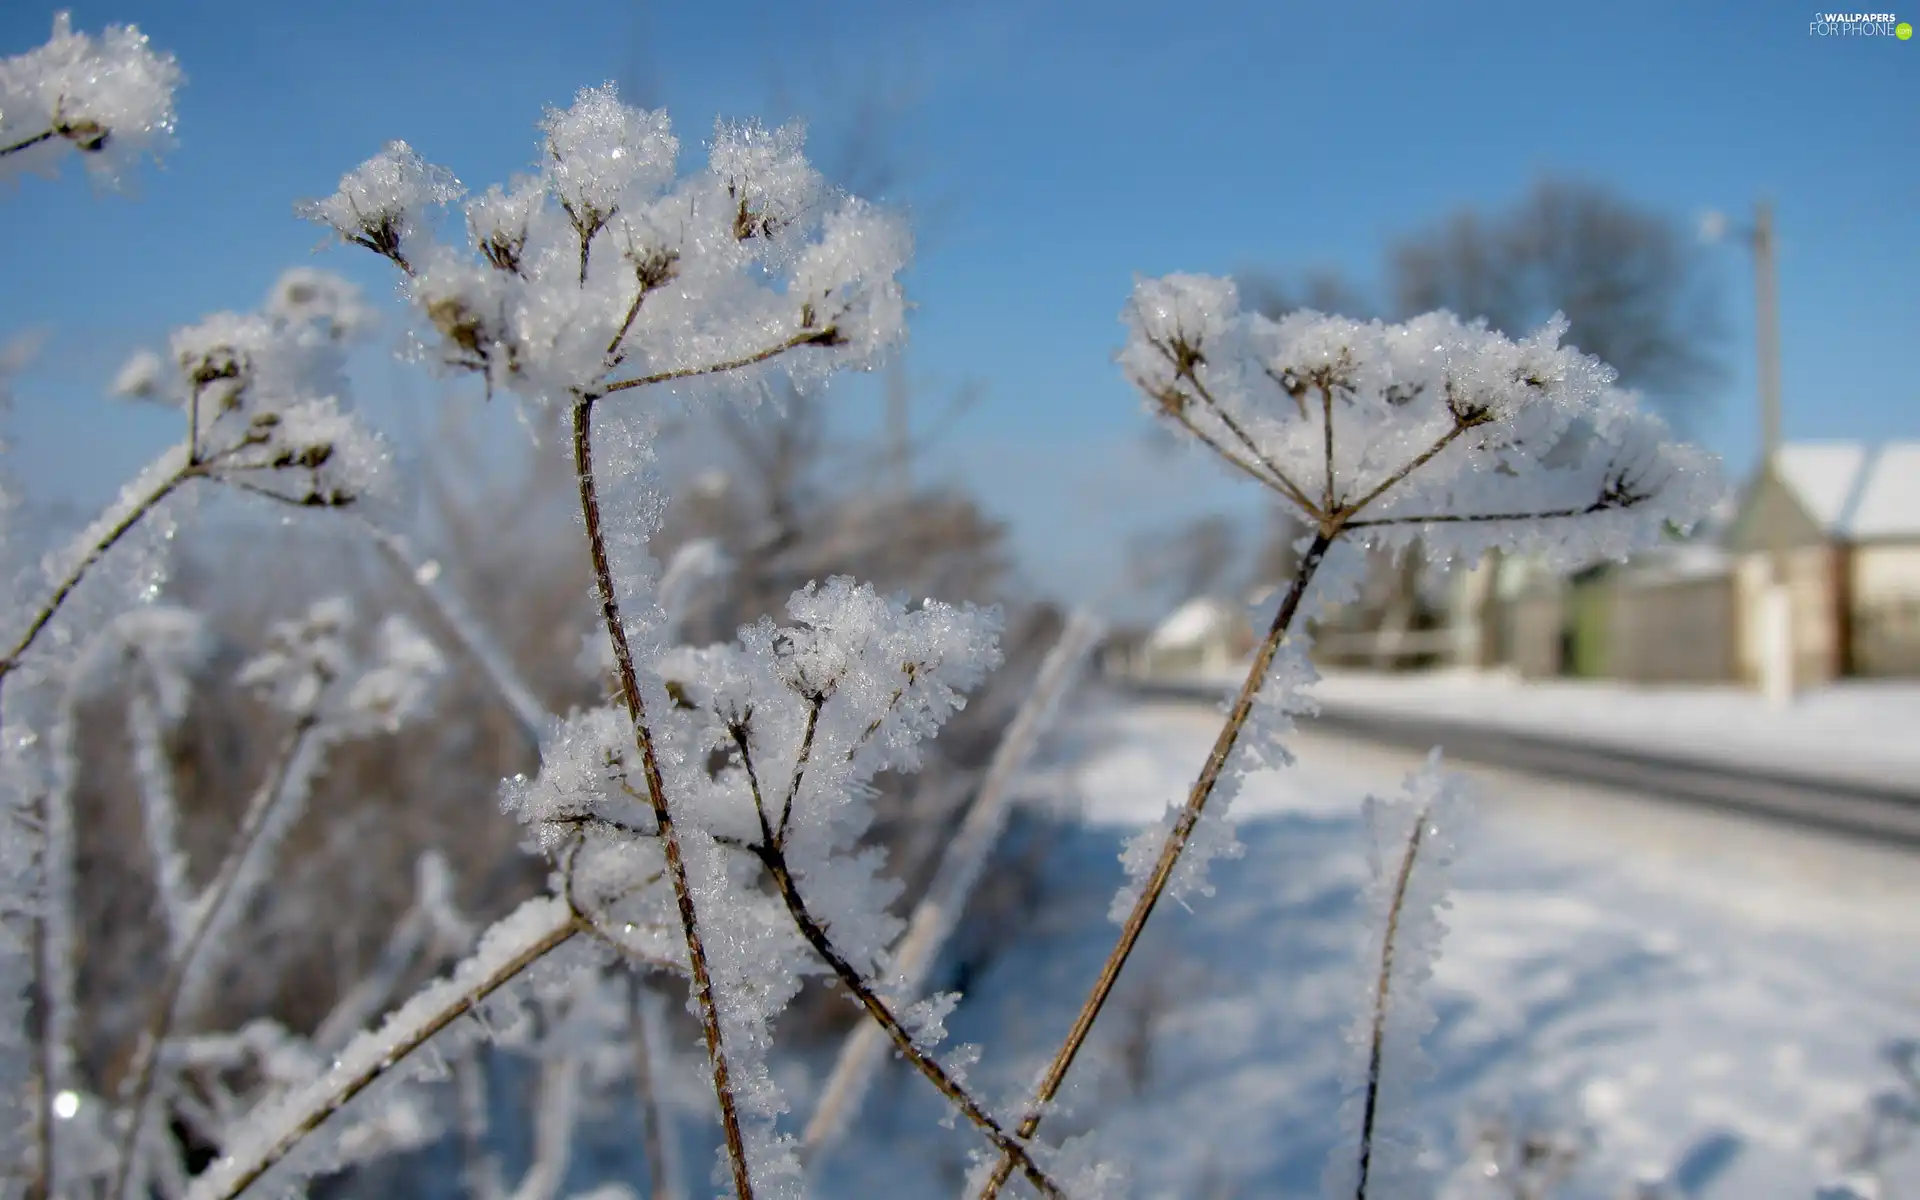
264, 393
605, 268
110, 98
1434, 427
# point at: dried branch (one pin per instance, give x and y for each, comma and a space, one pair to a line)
404, 1034
1377, 1040
960, 867
165, 1014
828, 336
877, 1008
657, 797
1162, 874
28, 143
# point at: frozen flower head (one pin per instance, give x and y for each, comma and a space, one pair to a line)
263, 393
110, 98
310, 299
311, 670
395, 686
304, 655
601, 149
384, 202
605, 270
1434, 427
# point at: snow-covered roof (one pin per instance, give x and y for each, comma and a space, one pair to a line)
1193, 623
1856, 490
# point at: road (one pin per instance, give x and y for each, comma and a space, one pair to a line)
1882, 814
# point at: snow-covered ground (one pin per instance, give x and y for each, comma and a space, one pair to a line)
1865, 730
1707, 995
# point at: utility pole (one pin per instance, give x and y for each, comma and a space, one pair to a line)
1776, 613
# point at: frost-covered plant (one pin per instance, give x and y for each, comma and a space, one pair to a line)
110, 99
329, 692
1373, 435
710, 819
263, 400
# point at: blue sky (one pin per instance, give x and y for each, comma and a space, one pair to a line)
1051, 151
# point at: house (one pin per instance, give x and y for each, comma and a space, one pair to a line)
1844, 520
1205, 634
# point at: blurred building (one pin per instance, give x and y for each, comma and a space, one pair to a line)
1207, 633
1844, 518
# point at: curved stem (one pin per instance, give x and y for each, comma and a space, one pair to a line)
1377, 1041
657, 797
107, 539
1162, 874
885, 1017
229, 1179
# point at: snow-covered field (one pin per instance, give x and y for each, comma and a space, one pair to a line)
1709, 997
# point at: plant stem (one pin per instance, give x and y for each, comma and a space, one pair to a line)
1176, 843
26, 143
50, 608
657, 797
166, 1007
238, 1177
1377, 1041
884, 1016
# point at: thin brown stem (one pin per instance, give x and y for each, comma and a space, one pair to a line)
1419, 460
1377, 1041
811, 337
739, 734
1326, 421
29, 143
1292, 490
1252, 470
883, 1014
657, 797
1470, 518
166, 1014
815, 703
1162, 874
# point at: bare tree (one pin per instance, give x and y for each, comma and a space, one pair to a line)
1322, 289
1630, 280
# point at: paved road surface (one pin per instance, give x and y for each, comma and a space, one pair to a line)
1883, 814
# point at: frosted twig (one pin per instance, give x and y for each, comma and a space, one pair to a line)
1176, 842
534, 931
1382, 998
556, 1111
884, 1016
479, 1167
166, 1013
657, 797
466, 629
966, 856
827, 336
173, 468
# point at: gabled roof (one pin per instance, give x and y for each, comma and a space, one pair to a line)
1855, 490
